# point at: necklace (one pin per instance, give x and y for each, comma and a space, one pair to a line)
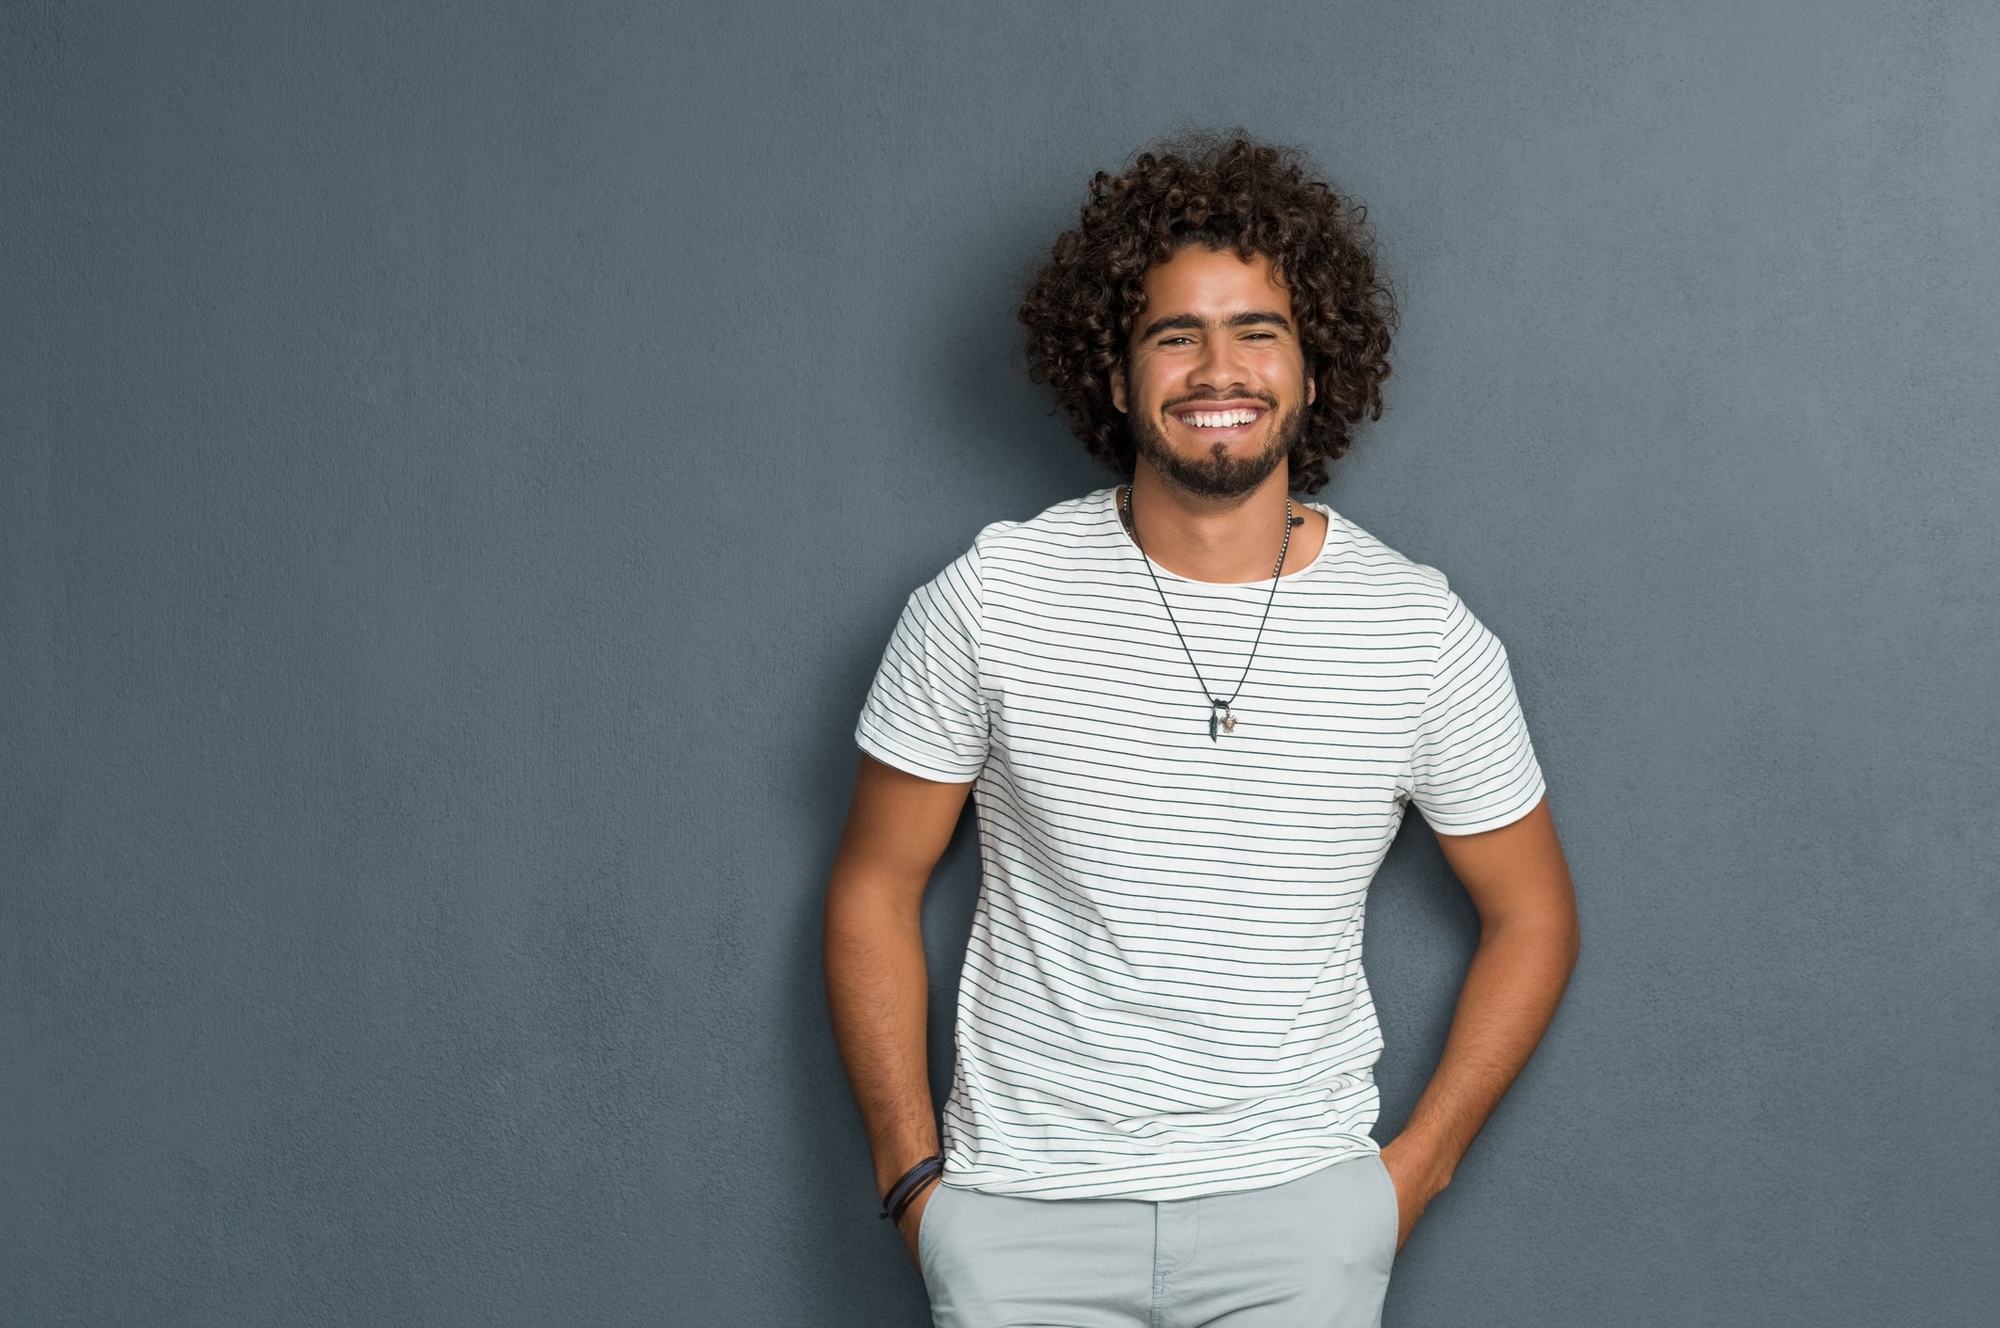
1221, 719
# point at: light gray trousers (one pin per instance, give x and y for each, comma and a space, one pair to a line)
1313, 1252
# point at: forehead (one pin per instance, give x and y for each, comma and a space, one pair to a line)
1209, 282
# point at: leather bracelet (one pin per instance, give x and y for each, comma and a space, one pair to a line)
906, 1189
897, 1218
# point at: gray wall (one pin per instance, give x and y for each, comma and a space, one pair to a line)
462, 463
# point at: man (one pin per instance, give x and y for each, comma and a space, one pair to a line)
1191, 712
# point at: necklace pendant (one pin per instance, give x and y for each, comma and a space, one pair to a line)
1220, 718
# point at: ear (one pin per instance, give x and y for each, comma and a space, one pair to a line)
1312, 388
1118, 387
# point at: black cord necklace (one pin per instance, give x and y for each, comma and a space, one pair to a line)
1220, 718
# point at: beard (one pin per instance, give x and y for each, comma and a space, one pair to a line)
1216, 473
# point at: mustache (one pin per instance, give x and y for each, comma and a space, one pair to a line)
1234, 396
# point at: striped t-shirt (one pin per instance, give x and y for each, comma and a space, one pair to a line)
1162, 993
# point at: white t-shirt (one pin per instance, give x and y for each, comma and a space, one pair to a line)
1163, 994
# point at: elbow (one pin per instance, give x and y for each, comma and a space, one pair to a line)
1557, 931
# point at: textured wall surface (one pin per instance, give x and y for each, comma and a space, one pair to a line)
462, 463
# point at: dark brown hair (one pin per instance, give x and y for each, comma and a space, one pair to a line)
1220, 192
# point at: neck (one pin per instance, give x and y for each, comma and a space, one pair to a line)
1230, 539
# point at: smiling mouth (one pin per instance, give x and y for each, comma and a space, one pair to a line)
1211, 421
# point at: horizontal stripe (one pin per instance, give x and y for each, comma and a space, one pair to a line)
1163, 994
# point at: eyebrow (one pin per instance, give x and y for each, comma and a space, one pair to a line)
1189, 322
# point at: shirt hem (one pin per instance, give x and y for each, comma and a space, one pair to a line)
1169, 1178
1494, 821
912, 765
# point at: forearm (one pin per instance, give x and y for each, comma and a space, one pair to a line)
1512, 987
877, 993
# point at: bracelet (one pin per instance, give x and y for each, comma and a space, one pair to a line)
903, 1191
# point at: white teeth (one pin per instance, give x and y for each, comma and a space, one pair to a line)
1221, 419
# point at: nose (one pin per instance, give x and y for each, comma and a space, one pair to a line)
1219, 368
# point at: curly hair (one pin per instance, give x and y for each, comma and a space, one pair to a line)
1219, 192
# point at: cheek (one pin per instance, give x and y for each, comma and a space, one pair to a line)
1156, 382
1137, 391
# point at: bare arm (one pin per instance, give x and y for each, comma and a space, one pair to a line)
897, 827
1529, 940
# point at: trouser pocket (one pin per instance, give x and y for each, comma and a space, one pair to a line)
1391, 1204
942, 1197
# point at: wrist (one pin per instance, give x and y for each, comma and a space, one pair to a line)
901, 1164
909, 1185
1430, 1162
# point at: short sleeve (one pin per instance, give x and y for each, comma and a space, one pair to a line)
1473, 767
925, 712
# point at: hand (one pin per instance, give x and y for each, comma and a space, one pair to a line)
1417, 1179
913, 1219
